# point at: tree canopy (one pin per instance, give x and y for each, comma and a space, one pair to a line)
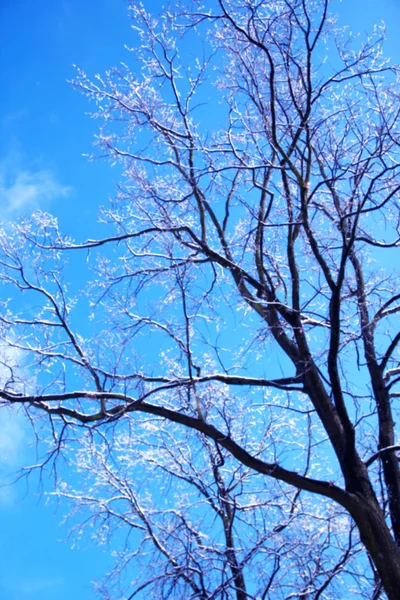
222, 362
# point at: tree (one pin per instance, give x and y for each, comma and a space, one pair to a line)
267, 229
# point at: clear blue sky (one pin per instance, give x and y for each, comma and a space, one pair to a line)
43, 133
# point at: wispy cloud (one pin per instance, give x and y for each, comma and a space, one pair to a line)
30, 587
27, 190
12, 434
12, 451
13, 116
35, 586
13, 430
26, 185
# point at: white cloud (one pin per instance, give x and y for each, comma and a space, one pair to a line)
12, 434
7, 495
30, 587
35, 586
14, 116
11, 368
13, 431
12, 451
27, 190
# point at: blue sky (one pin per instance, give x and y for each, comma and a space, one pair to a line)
43, 133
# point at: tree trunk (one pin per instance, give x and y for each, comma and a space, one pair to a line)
377, 538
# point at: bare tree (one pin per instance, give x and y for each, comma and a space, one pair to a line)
244, 291
205, 527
